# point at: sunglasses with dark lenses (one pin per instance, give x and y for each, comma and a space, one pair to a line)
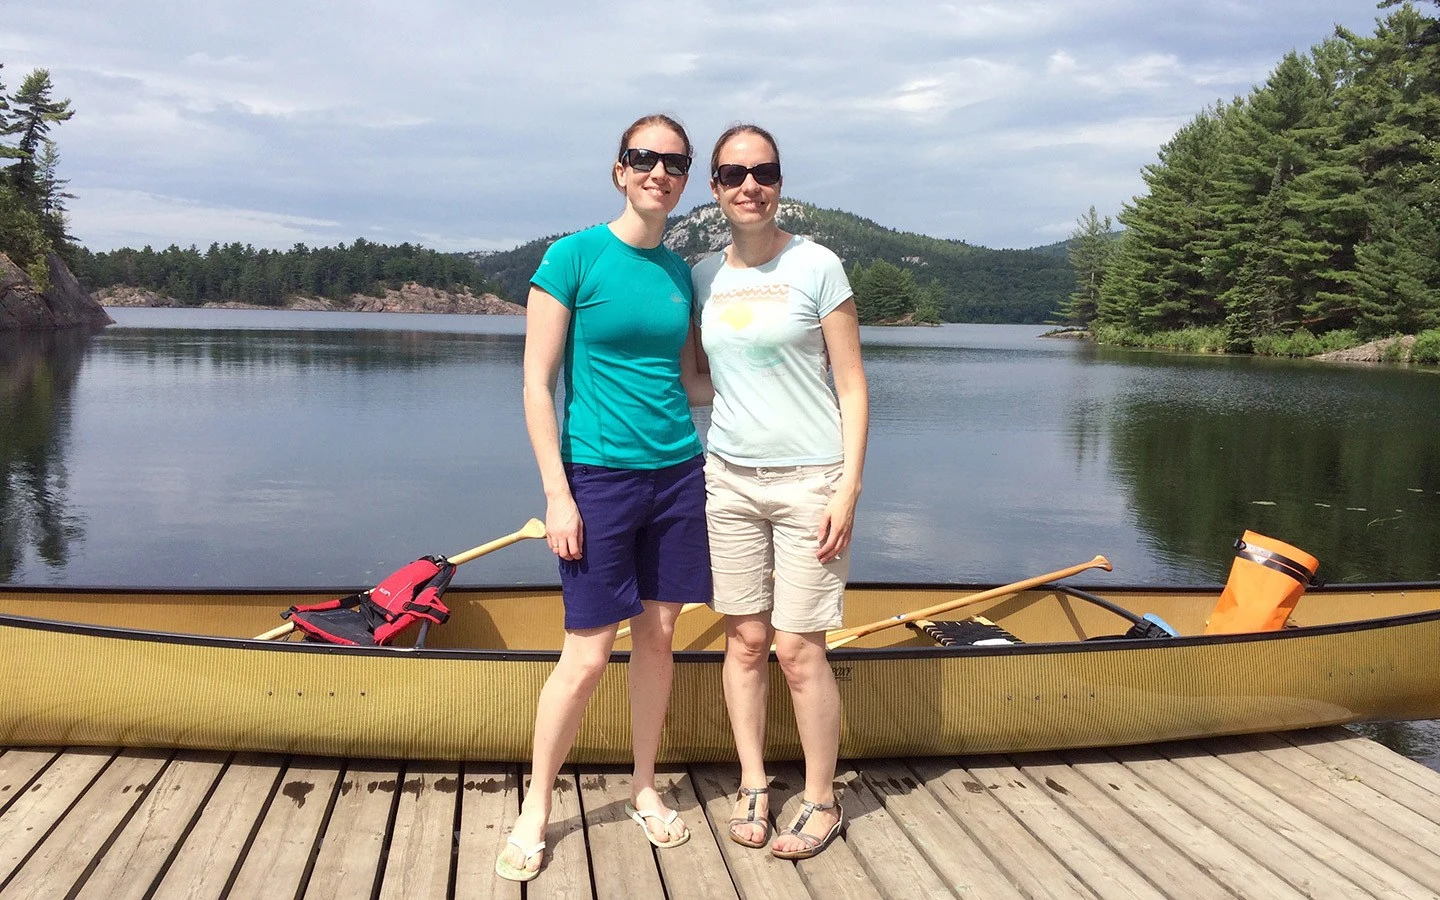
646, 160
732, 175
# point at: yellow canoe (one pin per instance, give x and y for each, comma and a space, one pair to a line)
175, 668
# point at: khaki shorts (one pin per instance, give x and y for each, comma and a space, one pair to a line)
764, 530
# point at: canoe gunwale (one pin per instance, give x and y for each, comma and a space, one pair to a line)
698, 656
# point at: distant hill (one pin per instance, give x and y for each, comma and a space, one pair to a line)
981, 285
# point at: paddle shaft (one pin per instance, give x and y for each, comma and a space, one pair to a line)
531, 529
845, 636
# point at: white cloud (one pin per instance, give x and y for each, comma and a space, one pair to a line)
449, 121
115, 218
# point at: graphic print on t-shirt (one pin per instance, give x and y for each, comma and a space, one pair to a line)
756, 316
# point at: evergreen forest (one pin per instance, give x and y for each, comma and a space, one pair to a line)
268, 277
1304, 214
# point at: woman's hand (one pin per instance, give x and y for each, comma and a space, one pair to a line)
837, 523
564, 530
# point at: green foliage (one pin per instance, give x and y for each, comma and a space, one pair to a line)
884, 293
23, 238
1427, 347
1183, 340
267, 277
1091, 248
1299, 343
1311, 204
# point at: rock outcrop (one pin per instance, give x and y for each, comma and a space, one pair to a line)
65, 304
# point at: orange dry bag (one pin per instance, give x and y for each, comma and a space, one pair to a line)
1266, 581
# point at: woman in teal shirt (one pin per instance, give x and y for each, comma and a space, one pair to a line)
622, 472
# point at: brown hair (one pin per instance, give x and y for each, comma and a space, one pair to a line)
734, 130
644, 122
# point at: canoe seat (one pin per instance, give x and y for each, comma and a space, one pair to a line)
375, 617
976, 631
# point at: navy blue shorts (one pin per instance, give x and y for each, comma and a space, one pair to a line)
644, 539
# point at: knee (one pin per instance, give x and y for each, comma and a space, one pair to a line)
801, 661
655, 637
581, 672
748, 650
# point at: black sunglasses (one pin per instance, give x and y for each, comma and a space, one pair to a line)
645, 160
732, 175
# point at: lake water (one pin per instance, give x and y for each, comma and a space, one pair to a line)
214, 448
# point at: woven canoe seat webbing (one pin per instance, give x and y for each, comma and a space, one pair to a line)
963, 633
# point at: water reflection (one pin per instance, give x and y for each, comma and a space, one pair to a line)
38, 373
1340, 462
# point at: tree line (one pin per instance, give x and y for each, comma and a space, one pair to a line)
1310, 206
32, 195
267, 277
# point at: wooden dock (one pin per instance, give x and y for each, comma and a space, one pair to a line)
1320, 813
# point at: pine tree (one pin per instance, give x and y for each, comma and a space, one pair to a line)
1092, 247
1160, 276
34, 113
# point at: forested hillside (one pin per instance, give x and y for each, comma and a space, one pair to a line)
1309, 207
268, 277
974, 284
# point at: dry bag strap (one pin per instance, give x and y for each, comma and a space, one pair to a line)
1272, 560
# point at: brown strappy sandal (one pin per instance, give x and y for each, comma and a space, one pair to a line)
751, 819
813, 844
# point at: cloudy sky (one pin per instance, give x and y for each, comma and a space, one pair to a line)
482, 125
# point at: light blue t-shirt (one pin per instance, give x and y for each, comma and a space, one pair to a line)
760, 327
630, 312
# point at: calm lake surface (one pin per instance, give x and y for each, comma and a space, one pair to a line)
250, 448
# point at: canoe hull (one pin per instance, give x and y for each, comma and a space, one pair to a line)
94, 685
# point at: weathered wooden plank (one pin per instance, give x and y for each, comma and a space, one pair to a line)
565, 874
620, 857
755, 874
836, 873
218, 839
137, 857
1172, 827
700, 871
418, 865
1425, 779
1314, 835
1393, 833
955, 856
1116, 824
349, 859
280, 853
1393, 783
32, 814
18, 767
63, 860
489, 803
880, 844
1234, 824
1030, 864
1105, 871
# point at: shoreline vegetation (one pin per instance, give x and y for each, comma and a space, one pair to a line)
1335, 346
410, 297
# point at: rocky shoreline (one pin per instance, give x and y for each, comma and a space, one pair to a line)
410, 298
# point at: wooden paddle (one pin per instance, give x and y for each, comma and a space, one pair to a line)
846, 635
531, 529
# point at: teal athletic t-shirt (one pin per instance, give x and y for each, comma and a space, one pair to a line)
629, 316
